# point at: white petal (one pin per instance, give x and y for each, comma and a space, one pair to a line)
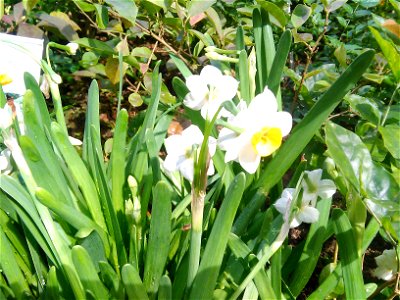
74, 141
4, 162
192, 135
171, 163
5, 118
264, 103
187, 169
195, 103
288, 193
211, 169
314, 176
212, 146
226, 87
309, 197
225, 138
196, 86
282, 204
326, 188
382, 273
295, 222
210, 108
308, 214
210, 75
249, 159
282, 120
174, 145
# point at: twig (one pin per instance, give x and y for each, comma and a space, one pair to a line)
312, 50
162, 41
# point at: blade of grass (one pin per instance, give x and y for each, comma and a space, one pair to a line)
351, 262
244, 77
133, 284
312, 249
159, 238
29, 215
40, 102
87, 272
36, 132
118, 163
74, 217
79, 172
10, 269
274, 79
185, 71
165, 290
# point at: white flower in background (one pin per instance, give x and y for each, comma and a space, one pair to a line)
209, 90
307, 213
6, 119
181, 151
5, 162
314, 186
73, 47
9, 112
260, 131
387, 265
74, 141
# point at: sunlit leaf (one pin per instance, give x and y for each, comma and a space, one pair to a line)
390, 135
300, 15
390, 52
126, 9
196, 7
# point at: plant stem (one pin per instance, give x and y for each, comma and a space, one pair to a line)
196, 231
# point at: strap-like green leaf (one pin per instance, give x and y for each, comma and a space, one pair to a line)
160, 231
351, 262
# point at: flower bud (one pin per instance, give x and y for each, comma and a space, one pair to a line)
73, 47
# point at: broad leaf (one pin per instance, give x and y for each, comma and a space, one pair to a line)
126, 9
300, 15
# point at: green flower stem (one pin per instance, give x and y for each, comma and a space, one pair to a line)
55, 95
220, 57
196, 231
58, 46
221, 51
226, 124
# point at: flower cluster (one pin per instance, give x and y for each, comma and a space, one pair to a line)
313, 187
254, 132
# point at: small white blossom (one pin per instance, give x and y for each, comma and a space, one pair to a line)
181, 151
74, 141
5, 162
73, 47
387, 265
260, 131
307, 213
209, 90
314, 186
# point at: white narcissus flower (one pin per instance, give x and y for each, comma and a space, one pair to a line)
209, 90
260, 131
181, 151
314, 186
387, 265
307, 213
